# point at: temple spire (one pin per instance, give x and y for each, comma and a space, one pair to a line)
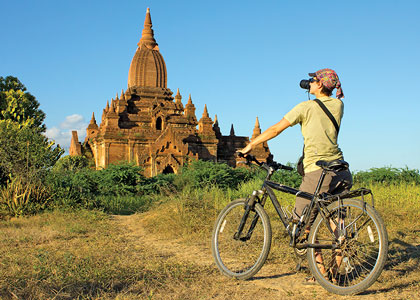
93, 121
189, 108
147, 35
205, 112
92, 127
232, 131
257, 129
178, 96
189, 100
122, 94
205, 125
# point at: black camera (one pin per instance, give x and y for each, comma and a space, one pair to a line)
305, 83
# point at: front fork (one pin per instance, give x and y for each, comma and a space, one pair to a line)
249, 206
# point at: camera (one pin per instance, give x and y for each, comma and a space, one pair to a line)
305, 83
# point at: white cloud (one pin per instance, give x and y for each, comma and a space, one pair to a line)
62, 134
73, 121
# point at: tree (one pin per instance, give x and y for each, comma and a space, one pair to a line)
26, 155
18, 105
25, 152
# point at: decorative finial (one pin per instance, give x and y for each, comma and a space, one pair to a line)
215, 120
189, 108
93, 121
178, 96
147, 36
122, 94
116, 98
232, 131
205, 112
107, 105
257, 130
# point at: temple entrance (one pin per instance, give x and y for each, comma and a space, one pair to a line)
159, 123
168, 170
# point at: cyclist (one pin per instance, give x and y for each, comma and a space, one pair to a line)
320, 138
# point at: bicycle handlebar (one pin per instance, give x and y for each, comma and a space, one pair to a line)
276, 166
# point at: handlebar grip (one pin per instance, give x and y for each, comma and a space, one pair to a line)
287, 168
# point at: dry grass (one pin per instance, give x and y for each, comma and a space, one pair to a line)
89, 255
190, 216
83, 255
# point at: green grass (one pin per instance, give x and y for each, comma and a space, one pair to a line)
125, 205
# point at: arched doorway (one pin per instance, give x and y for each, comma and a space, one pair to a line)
168, 170
159, 123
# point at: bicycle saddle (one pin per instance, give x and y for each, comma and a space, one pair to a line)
334, 165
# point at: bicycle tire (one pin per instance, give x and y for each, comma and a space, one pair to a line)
362, 254
236, 258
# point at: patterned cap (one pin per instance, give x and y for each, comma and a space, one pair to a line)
329, 79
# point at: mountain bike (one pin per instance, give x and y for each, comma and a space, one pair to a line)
346, 247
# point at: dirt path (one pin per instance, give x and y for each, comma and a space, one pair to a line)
277, 278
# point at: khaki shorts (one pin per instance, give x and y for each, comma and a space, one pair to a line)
334, 183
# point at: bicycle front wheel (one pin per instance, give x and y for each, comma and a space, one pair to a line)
241, 254
361, 250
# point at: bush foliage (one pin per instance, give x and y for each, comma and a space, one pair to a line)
388, 175
199, 174
121, 188
77, 186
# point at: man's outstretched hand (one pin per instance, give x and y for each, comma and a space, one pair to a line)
245, 150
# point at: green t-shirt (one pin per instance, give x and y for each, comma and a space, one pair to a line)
319, 133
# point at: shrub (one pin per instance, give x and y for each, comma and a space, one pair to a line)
73, 188
162, 183
201, 173
387, 175
119, 179
20, 197
119, 187
71, 163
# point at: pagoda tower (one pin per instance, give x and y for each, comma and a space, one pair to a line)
148, 126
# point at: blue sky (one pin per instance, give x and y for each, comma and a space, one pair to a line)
241, 58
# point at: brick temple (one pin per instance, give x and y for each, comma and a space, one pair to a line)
147, 125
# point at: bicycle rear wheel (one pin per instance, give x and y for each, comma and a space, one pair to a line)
361, 254
241, 256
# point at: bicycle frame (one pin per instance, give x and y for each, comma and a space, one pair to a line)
295, 232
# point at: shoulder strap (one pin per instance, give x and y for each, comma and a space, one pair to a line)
325, 109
